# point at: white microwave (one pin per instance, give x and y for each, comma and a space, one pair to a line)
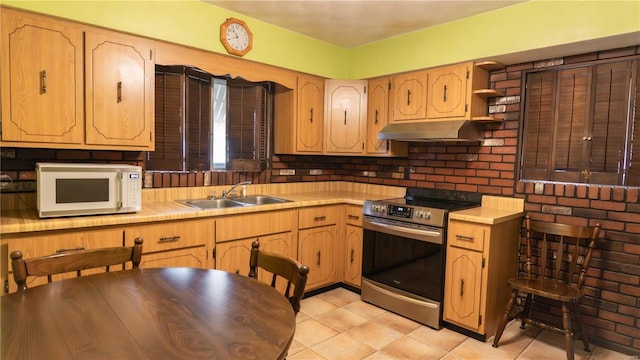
87, 189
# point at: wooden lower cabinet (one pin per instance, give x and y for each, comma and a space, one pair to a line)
480, 260
317, 248
178, 243
52, 242
353, 245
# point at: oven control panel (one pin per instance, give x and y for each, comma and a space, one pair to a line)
400, 211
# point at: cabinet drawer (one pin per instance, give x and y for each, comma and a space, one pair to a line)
354, 215
466, 235
254, 225
171, 235
194, 257
317, 216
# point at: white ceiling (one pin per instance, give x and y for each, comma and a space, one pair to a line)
350, 23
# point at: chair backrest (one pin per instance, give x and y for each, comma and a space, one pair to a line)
283, 267
72, 261
559, 252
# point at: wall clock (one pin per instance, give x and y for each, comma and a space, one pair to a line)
236, 37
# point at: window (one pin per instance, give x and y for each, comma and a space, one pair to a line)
580, 122
205, 122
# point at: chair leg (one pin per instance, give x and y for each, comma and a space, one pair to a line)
505, 318
526, 310
577, 316
568, 334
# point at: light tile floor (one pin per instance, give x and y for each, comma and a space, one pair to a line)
337, 325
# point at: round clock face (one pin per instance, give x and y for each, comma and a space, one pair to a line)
236, 37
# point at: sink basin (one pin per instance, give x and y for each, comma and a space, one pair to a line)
260, 200
213, 203
223, 203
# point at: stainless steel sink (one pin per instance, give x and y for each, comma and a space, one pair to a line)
213, 203
225, 203
260, 200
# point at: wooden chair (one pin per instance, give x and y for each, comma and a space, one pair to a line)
288, 269
72, 261
557, 258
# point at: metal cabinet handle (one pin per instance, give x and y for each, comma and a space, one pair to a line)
353, 255
43, 82
408, 97
353, 217
318, 262
376, 121
345, 117
461, 287
169, 238
119, 92
311, 115
465, 238
319, 218
586, 138
444, 96
61, 251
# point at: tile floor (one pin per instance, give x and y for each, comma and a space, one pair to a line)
336, 325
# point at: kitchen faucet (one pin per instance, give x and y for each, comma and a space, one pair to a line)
225, 193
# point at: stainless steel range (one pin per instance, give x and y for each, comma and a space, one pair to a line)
404, 251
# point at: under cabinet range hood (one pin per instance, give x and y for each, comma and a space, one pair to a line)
449, 130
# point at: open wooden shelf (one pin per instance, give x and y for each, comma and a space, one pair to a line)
487, 93
485, 119
490, 65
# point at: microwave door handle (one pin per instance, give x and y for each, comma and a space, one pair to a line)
400, 229
119, 190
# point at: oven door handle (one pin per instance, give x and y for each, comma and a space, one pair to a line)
418, 234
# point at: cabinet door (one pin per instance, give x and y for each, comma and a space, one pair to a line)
56, 242
191, 257
309, 134
42, 79
233, 256
377, 114
317, 252
409, 96
448, 86
345, 116
463, 282
120, 91
353, 264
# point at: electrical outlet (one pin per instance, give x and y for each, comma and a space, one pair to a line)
5, 180
287, 171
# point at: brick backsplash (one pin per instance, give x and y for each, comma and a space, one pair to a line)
612, 304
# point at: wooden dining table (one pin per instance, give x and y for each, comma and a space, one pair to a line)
159, 313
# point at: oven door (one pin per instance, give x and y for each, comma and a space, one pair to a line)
407, 257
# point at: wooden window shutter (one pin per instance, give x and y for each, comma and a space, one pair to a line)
633, 178
199, 114
573, 98
169, 114
249, 114
610, 122
538, 125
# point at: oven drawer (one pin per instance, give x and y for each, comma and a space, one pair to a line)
317, 216
466, 235
354, 215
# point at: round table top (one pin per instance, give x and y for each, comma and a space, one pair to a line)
158, 313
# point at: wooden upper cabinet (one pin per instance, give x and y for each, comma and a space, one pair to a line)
408, 96
447, 91
345, 116
377, 114
54, 70
120, 93
42, 81
310, 119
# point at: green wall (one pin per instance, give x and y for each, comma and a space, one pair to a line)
528, 26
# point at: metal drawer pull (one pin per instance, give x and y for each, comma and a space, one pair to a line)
61, 251
353, 217
466, 238
319, 218
170, 238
